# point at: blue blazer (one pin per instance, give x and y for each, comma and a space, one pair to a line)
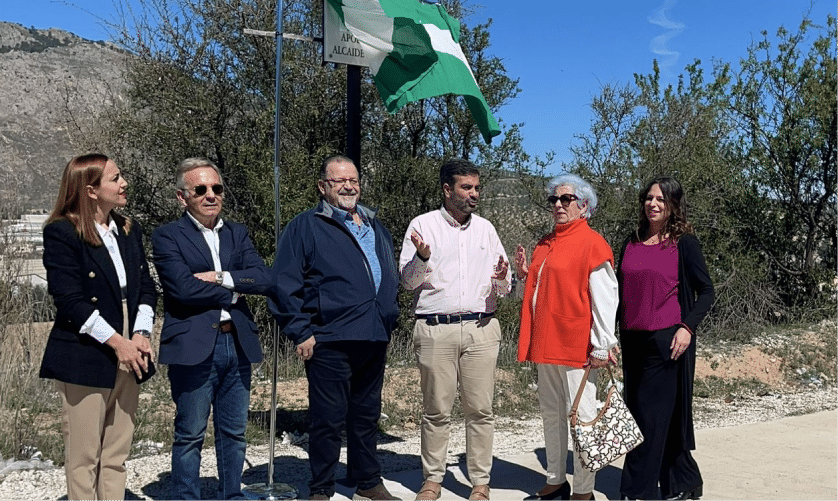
193, 307
81, 279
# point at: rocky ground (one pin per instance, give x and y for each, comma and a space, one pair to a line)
763, 387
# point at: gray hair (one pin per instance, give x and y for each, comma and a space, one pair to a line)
192, 164
583, 191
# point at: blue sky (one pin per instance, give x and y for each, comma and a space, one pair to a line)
562, 52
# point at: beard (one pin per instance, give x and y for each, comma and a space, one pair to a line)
465, 206
347, 202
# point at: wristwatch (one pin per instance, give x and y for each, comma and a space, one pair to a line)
219, 277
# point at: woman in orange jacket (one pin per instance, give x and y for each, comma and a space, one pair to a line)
567, 323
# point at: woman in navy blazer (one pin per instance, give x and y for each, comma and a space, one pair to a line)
98, 277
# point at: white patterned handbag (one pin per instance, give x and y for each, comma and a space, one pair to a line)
612, 433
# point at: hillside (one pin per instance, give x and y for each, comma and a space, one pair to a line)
53, 84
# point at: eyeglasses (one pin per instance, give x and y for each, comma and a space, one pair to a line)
201, 189
564, 199
337, 182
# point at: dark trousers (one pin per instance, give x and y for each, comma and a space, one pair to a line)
344, 388
651, 387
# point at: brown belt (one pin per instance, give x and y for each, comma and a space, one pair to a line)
227, 327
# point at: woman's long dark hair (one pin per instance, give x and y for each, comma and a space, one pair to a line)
673, 196
74, 204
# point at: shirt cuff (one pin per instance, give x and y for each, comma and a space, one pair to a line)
145, 319
414, 272
600, 354
97, 327
227, 283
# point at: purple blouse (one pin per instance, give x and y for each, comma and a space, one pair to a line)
650, 286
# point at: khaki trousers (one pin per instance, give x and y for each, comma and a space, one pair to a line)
557, 387
98, 426
451, 355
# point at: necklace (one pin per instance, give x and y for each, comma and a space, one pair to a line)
654, 239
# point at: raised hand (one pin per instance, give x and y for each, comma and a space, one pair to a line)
521, 265
422, 249
500, 269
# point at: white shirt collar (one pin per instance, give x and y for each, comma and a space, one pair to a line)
110, 228
453, 222
201, 227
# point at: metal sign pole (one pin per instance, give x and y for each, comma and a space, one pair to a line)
271, 490
353, 113
340, 46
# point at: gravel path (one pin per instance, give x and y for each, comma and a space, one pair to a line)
148, 475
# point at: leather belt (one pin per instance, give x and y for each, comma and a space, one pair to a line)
227, 327
455, 318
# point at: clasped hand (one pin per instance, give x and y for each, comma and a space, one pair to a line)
135, 353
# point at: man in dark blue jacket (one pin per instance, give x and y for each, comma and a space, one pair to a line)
209, 338
336, 280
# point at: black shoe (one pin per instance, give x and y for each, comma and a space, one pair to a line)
563, 492
693, 494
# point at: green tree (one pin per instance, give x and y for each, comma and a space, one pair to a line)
645, 130
755, 151
199, 86
782, 102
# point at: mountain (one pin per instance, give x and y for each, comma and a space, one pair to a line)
54, 84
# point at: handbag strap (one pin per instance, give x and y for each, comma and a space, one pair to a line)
581, 390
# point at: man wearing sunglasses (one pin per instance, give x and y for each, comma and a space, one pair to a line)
209, 338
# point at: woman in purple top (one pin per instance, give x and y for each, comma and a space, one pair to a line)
665, 292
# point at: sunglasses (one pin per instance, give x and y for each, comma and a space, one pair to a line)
564, 199
201, 189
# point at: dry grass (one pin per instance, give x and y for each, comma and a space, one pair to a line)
29, 406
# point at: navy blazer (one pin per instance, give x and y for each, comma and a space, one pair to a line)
81, 279
193, 307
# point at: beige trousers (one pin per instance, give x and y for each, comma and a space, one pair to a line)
557, 387
98, 426
450, 356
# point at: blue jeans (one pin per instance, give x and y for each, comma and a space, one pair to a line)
223, 381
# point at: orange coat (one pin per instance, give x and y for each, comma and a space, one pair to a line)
556, 316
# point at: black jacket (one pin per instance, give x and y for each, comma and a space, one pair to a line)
81, 279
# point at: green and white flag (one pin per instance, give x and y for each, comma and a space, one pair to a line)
414, 53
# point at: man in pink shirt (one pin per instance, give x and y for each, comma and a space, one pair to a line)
454, 262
